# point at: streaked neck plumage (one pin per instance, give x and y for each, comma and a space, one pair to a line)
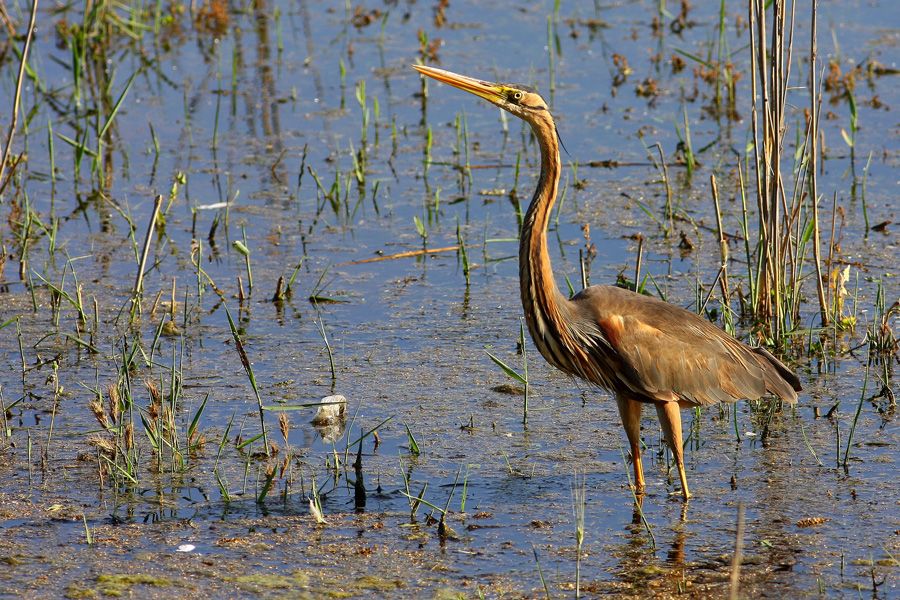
543, 303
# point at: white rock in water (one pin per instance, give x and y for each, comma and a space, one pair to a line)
186, 548
332, 410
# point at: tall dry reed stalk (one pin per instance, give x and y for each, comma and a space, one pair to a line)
20, 79
786, 195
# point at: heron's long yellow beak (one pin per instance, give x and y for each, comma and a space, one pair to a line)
491, 92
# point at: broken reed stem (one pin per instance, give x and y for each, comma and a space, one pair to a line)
723, 247
4, 424
670, 216
172, 306
20, 79
745, 231
139, 278
584, 277
637, 264
830, 262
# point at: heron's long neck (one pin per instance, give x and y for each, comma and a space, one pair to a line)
541, 298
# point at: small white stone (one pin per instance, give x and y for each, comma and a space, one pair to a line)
186, 548
332, 410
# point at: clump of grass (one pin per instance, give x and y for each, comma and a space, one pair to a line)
117, 455
883, 346
880, 335
414, 501
444, 530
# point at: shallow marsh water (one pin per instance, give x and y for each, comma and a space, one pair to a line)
249, 105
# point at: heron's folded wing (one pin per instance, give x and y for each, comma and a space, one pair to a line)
690, 360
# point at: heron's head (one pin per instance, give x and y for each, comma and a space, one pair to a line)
520, 100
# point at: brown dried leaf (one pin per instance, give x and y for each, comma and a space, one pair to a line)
811, 521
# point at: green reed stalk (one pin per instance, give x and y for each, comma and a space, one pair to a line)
248, 368
862, 399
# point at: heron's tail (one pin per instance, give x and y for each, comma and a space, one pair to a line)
779, 379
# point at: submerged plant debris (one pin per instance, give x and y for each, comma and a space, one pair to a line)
214, 215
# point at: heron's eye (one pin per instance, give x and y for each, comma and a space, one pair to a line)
517, 96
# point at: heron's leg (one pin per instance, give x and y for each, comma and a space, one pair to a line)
630, 411
670, 420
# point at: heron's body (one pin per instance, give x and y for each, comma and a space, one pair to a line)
641, 349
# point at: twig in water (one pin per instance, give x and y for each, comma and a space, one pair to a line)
408, 254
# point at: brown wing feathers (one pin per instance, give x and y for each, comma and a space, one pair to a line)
663, 352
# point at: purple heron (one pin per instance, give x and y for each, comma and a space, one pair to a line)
643, 350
